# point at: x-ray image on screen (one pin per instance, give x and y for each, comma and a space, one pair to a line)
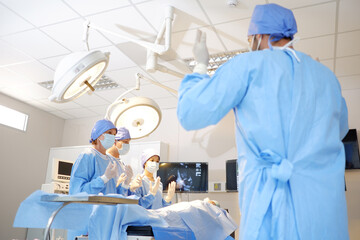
189, 177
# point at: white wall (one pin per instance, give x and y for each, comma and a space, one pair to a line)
24, 158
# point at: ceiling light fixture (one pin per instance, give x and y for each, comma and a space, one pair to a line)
140, 115
77, 73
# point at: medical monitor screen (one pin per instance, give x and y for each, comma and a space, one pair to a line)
231, 175
189, 176
351, 146
64, 168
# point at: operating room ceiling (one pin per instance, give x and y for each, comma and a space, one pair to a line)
36, 34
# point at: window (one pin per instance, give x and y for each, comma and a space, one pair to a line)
13, 118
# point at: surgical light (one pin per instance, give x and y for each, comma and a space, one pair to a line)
77, 73
140, 115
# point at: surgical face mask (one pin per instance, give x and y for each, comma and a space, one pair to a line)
108, 141
152, 167
124, 149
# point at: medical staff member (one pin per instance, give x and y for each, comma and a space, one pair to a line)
94, 171
150, 192
122, 147
290, 120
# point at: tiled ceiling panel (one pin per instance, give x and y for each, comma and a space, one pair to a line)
11, 22
36, 44
36, 35
41, 12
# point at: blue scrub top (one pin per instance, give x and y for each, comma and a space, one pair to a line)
147, 200
87, 171
290, 119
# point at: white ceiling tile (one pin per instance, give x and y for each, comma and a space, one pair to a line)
125, 22
80, 112
187, 14
100, 110
10, 79
220, 12
118, 60
297, 4
347, 66
86, 7
349, 17
30, 91
328, 63
11, 22
15, 94
350, 82
40, 105
234, 34
70, 35
87, 100
10, 55
41, 12
59, 106
126, 77
173, 84
348, 44
318, 47
112, 94
33, 71
166, 103
36, 44
152, 91
52, 62
33, 91
140, 1
62, 115
316, 20
183, 42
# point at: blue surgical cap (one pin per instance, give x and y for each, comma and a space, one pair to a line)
100, 127
273, 19
122, 133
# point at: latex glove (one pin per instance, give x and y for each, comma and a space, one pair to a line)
201, 53
136, 182
129, 174
171, 191
153, 189
121, 179
110, 172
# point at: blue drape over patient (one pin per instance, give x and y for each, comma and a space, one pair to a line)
290, 119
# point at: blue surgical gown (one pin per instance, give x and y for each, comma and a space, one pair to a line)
87, 171
290, 118
147, 200
86, 177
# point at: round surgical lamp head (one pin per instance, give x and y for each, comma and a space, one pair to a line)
77, 73
140, 115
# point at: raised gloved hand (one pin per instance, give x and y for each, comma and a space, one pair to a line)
121, 179
153, 189
110, 172
129, 174
171, 191
201, 53
136, 182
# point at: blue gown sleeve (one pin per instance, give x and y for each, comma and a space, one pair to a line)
204, 101
344, 127
147, 200
82, 176
165, 203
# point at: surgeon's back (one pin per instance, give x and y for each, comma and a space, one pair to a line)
290, 119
